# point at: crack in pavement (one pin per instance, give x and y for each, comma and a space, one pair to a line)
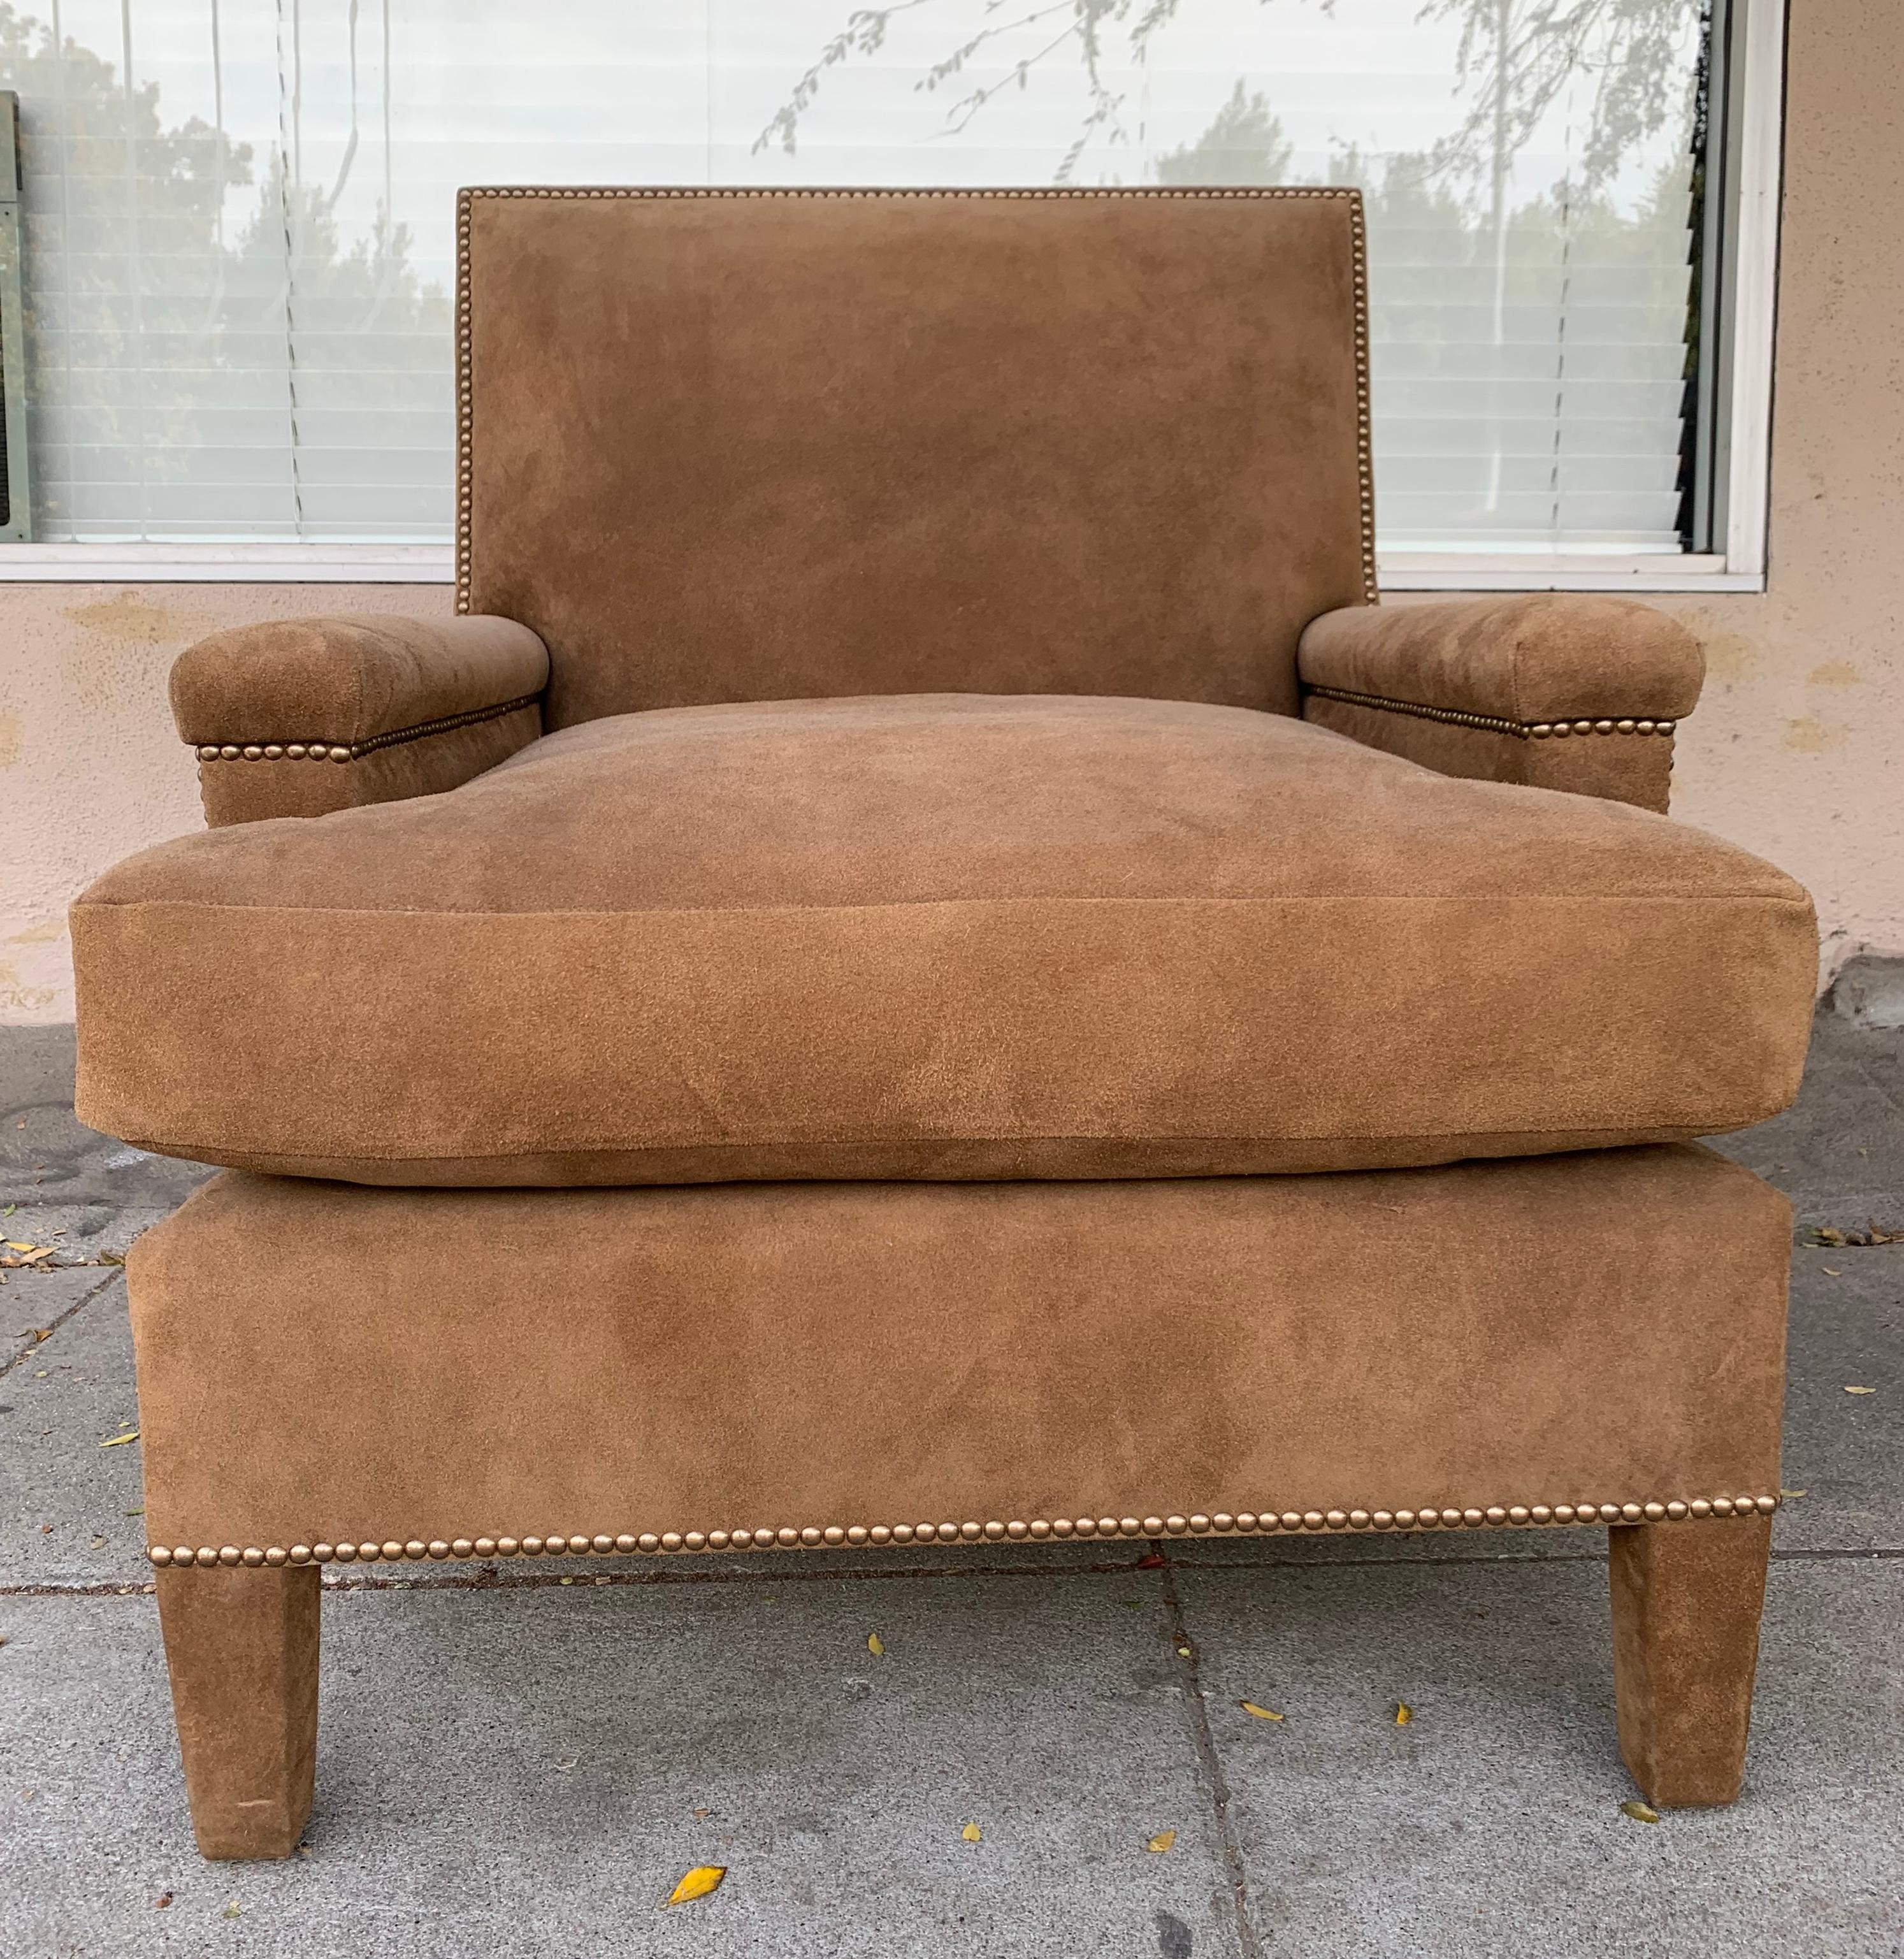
60, 1318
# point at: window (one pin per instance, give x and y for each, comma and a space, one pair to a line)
238, 221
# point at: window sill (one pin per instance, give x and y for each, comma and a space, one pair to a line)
434, 564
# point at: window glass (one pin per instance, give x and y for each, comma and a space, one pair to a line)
240, 228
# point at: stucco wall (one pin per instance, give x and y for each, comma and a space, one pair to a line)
1793, 753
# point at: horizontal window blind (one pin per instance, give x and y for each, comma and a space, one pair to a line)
239, 217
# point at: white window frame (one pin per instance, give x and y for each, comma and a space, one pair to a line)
1755, 154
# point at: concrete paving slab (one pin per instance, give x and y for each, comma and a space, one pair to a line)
472, 1799
64, 1499
1845, 1450
1491, 1824
32, 1304
1838, 1153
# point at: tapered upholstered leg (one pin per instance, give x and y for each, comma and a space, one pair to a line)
242, 1647
1686, 1602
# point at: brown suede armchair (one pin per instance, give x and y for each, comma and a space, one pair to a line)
1033, 1010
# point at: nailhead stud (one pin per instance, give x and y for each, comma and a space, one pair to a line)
1176, 1526
856, 1533
810, 1536
1312, 1520
971, 1532
1017, 1530
1382, 1519
1039, 1529
508, 1547
1721, 1507
902, 1533
881, 1534
1153, 1527
1292, 1520
670, 1540
1767, 1505
1200, 1524
834, 1534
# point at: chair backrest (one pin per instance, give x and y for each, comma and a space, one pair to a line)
763, 444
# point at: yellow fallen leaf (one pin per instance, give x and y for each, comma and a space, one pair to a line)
1794, 1493
1162, 1841
702, 1879
973, 1834
232, 1909
21, 1245
113, 1441
1640, 1812
1261, 1713
1861, 1391
875, 1646
1403, 1713
1831, 1272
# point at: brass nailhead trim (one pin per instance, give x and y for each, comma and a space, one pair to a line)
352, 751
811, 1536
466, 198
1524, 731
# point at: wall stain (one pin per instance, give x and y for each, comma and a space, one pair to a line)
109, 667
1730, 656
1835, 673
13, 736
1808, 735
45, 933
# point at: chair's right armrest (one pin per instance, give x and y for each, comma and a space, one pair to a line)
302, 716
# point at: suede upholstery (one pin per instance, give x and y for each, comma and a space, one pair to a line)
754, 445
1575, 694
938, 936
772, 1356
934, 886
413, 706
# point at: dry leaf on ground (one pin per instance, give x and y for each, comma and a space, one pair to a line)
701, 1880
1640, 1812
1403, 1713
233, 1909
973, 1834
1861, 1391
1162, 1841
875, 1646
113, 1441
1261, 1713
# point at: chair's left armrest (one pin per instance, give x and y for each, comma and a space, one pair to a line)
302, 716
1574, 692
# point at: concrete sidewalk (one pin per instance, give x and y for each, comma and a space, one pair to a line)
525, 1764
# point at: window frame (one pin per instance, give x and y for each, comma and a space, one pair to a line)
1742, 239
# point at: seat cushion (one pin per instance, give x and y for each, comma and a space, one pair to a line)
937, 936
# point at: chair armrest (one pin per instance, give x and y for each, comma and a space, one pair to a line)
302, 716
1567, 692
